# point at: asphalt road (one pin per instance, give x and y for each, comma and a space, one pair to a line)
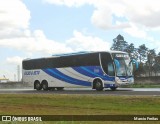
119, 91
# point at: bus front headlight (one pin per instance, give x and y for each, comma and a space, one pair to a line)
131, 80
117, 80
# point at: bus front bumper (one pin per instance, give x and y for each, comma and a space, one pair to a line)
124, 81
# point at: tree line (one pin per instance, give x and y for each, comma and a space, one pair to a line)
149, 61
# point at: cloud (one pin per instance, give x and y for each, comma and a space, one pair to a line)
144, 12
36, 43
102, 18
69, 3
14, 19
16, 60
14, 15
134, 31
15, 34
81, 42
136, 17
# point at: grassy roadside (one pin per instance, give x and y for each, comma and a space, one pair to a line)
49, 104
45, 104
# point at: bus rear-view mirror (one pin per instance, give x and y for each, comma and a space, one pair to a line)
133, 61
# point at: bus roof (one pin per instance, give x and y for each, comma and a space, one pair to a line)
76, 53
85, 52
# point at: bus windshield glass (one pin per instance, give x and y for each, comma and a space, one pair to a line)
123, 64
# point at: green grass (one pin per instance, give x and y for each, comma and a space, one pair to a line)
78, 104
49, 104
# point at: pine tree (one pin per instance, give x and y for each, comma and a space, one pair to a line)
119, 43
142, 50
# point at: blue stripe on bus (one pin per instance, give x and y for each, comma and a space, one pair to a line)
83, 72
89, 71
57, 74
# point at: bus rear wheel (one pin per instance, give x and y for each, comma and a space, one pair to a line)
45, 85
37, 85
99, 85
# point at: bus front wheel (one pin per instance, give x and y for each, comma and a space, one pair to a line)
99, 85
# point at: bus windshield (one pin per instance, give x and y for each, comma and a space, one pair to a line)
123, 64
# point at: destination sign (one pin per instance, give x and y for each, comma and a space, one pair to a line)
121, 55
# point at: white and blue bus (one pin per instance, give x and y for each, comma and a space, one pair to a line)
97, 70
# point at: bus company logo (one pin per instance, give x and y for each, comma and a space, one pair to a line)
6, 118
31, 72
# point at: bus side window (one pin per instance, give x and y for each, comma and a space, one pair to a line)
107, 64
110, 69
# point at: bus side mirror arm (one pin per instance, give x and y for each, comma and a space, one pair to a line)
135, 62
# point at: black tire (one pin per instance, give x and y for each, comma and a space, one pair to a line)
99, 85
113, 88
45, 85
60, 88
37, 85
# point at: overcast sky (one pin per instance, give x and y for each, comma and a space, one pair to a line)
38, 28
